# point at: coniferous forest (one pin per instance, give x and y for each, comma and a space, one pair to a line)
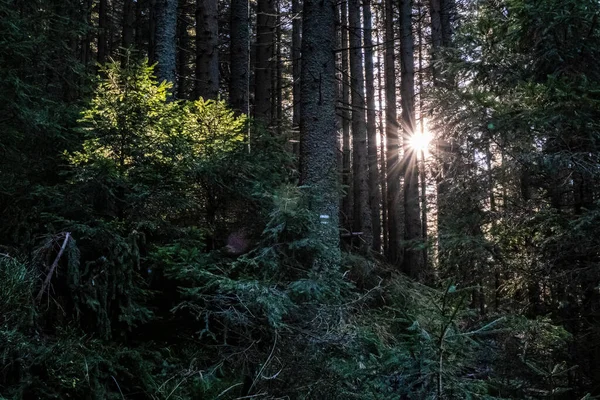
299, 199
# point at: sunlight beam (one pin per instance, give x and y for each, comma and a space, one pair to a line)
420, 142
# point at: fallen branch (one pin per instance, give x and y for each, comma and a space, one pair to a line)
53, 267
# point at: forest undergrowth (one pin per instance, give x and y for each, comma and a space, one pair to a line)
170, 262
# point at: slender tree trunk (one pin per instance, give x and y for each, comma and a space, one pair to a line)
296, 54
382, 177
152, 31
141, 24
347, 200
166, 26
278, 106
318, 160
413, 260
86, 46
207, 49
265, 40
423, 177
441, 36
394, 201
183, 43
441, 19
339, 92
239, 56
374, 193
128, 23
362, 213
428, 273
493, 210
102, 28
273, 76
436, 37
113, 33
447, 10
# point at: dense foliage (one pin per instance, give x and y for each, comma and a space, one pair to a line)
162, 286
520, 120
160, 248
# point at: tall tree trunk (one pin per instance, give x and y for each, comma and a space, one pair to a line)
447, 10
413, 259
102, 29
441, 19
152, 31
436, 36
340, 87
422, 170
86, 46
394, 201
166, 26
141, 24
265, 41
446, 148
239, 56
347, 200
113, 32
382, 176
296, 54
489, 159
374, 193
362, 214
318, 161
278, 106
183, 44
128, 23
207, 49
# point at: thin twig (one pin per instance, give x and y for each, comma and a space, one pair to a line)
228, 389
118, 387
251, 396
53, 267
265, 364
177, 387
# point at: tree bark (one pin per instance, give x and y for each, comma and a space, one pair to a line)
413, 259
265, 41
347, 200
239, 56
446, 148
152, 31
394, 201
102, 27
436, 36
128, 23
207, 49
318, 161
422, 171
382, 176
86, 45
441, 19
447, 10
166, 25
374, 193
141, 24
183, 44
362, 214
278, 75
296, 54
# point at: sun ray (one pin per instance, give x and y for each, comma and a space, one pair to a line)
420, 142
